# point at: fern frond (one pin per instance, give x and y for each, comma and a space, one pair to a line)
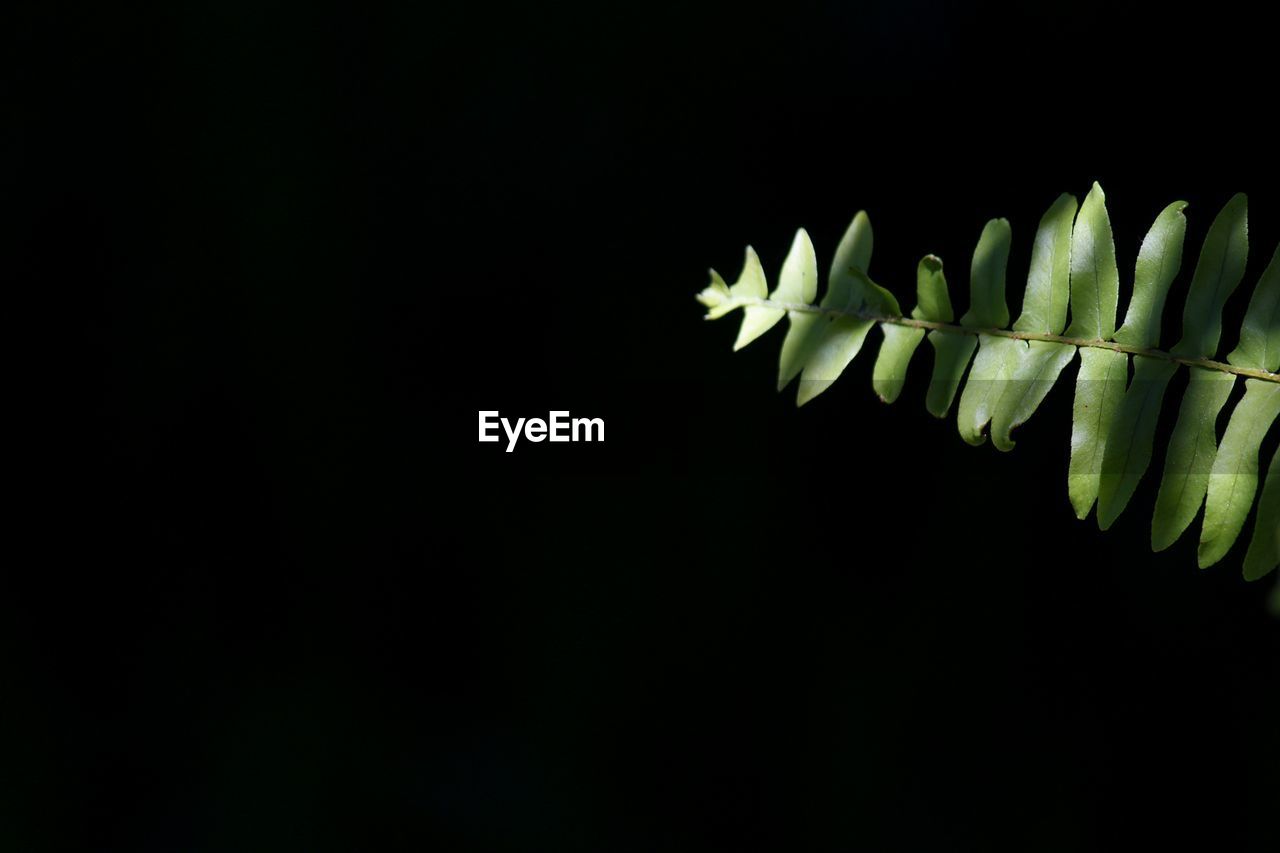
1011, 369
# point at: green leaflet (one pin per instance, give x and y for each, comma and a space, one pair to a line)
951, 353
756, 320
1159, 260
798, 283
850, 288
751, 281
1037, 366
841, 340
1218, 273
889, 374
1099, 390
844, 288
1100, 384
933, 303
803, 334
988, 380
1095, 283
1233, 483
988, 308
1264, 549
932, 298
1260, 334
1128, 450
1044, 306
1190, 455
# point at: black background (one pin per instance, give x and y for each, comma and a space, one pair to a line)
283, 599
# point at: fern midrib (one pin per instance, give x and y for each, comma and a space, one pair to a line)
894, 320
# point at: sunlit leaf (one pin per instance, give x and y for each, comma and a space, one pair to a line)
1264, 549
1233, 480
1218, 273
1099, 389
1190, 456
1095, 283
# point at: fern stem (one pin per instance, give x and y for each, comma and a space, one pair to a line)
1206, 363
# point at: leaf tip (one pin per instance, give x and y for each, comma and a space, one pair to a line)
808, 389
1081, 506
1209, 553
1255, 570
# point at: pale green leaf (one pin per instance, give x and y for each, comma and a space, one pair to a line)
804, 331
751, 284
840, 341
1159, 260
751, 281
890, 372
933, 301
849, 287
1038, 364
987, 383
1264, 549
1128, 450
1099, 389
756, 320
798, 283
844, 288
1190, 455
988, 309
1095, 283
1259, 347
1044, 306
1233, 482
951, 354
1218, 273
